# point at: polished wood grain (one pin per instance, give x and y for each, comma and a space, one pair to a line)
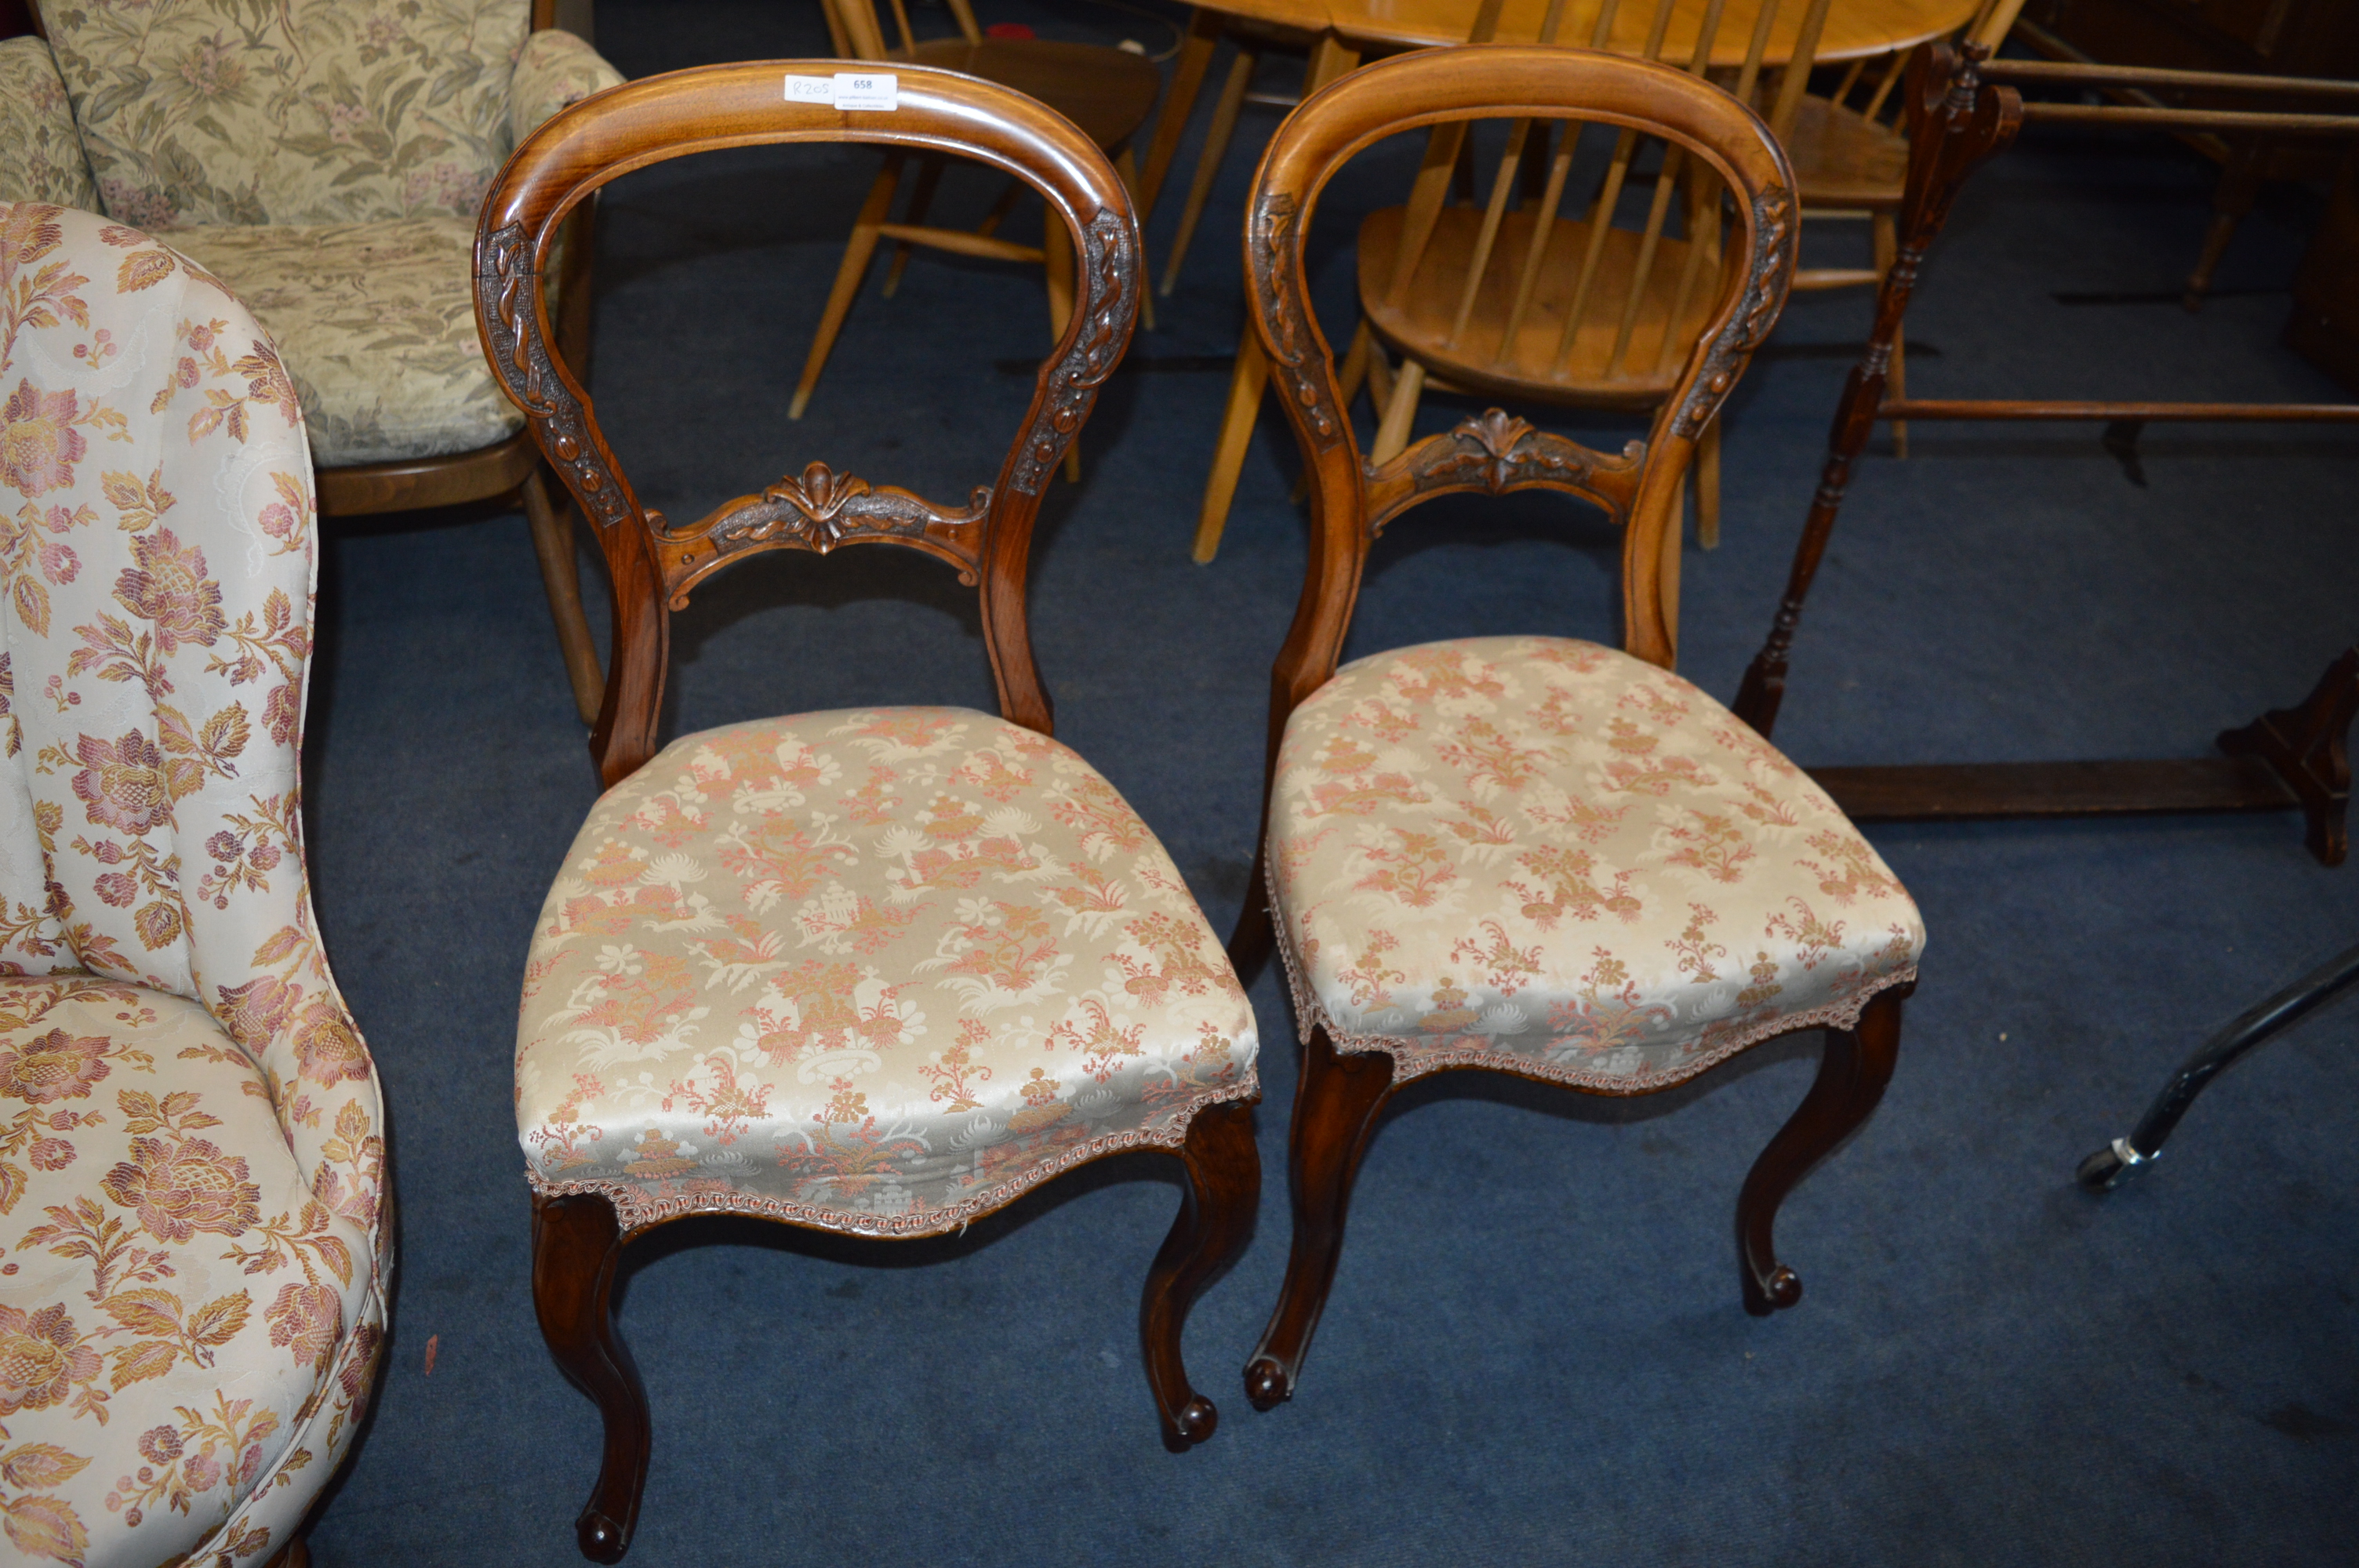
1341, 1094
656, 566
1962, 110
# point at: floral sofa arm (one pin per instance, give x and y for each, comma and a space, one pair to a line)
556, 69
40, 152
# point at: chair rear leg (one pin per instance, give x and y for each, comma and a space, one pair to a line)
1208, 160
1334, 1111
577, 1243
1215, 1216
856, 255
922, 200
1885, 228
560, 576
1851, 1075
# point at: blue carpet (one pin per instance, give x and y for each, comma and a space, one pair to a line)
1535, 1351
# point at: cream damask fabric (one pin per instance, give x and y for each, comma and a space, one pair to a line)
193, 1252
40, 154
197, 112
377, 325
1553, 857
877, 971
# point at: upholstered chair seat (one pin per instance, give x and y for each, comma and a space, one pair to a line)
195, 1256
874, 970
1559, 859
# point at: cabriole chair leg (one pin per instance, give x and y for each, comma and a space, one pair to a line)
577, 1243
1334, 1112
1851, 1075
1223, 1190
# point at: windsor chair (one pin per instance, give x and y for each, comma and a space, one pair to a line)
1529, 854
992, 971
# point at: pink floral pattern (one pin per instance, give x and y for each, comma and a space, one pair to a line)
193, 1252
1553, 857
876, 970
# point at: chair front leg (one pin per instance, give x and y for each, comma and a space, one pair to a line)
1851, 1075
577, 1243
1334, 1112
1224, 1189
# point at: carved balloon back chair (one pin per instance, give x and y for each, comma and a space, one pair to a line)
953, 960
1529, 854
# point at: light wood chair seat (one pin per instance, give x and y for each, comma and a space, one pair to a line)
1842, 158
1106, 92
1419, 326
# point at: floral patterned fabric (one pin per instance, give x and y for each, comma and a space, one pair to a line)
40, 154
377, 325
556, 69
1555, 858
877, 971
193, 1252
199, 111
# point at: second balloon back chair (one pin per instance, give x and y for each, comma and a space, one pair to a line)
894, 967
1529, 854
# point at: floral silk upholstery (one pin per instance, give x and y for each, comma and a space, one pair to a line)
193, 1251
874, 970
324, 159
1554, 859
377, 326
40, 154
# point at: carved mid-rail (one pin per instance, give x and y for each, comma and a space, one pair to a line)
817, 510
1496, 452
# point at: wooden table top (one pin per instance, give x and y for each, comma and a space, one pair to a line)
1853, 27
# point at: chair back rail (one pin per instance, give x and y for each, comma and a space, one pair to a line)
655, 566
1351, 499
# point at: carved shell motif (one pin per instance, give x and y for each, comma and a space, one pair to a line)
821, 508
522, 360
1757, 312
1110, 267
1498, 452
1278, 283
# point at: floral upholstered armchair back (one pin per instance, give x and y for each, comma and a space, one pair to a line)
152, 655
248, 111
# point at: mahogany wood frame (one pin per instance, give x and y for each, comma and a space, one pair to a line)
1342, 1093
1962, 110
655, 567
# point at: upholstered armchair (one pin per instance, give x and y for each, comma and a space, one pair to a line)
323, 158
194, 1252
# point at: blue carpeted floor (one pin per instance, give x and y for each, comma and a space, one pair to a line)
1535, 1351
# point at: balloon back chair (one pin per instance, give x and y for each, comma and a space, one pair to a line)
897, 967
199, 1245
1529, 854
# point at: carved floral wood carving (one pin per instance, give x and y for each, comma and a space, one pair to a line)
1498, 452
567, 436
818, 510
1110, 269
1776, 237
1278, 285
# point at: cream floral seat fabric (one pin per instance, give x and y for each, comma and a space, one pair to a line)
1548, 856
874, 970
324, 158
194, 1256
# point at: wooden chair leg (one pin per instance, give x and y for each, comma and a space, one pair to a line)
856, 255
1851, 1075
1057, 254
1215, 1216
921, 198
1400, 413
1245, 385
296, 1553
1708, 487
576, 1246
1178, 102
1255, 932
1335, 1110
560, 576
1208, 160
1885, 227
